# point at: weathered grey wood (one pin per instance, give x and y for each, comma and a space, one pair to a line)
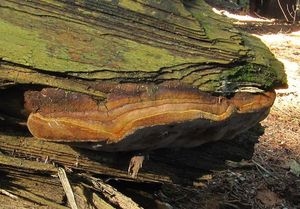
67, 156
33, 189
162, 166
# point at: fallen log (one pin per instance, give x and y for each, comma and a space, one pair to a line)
132, 75
123, 76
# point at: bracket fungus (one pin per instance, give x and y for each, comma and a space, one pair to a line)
137, 117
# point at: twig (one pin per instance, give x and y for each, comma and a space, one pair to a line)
261, 17
297, 9
264, 169
67, 187
279, 3
2, 191
100, 203
230, 205
289, 12
241, 164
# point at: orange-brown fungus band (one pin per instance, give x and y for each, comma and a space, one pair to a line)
143, 116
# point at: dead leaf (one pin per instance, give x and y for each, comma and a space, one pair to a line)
268, 198
206, 177
199, 185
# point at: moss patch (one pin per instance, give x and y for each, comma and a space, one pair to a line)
251, 73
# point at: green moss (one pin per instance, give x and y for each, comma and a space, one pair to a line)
77, 51
216, 27
208, 83
23, 46
141, 57
257, 55
262, 56
251, 73
132, 5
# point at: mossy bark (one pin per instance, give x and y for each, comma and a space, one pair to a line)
129, 41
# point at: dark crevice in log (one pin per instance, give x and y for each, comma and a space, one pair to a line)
35, 70
24, 75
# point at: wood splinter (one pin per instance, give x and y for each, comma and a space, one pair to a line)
135, 164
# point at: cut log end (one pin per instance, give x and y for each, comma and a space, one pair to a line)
137, 116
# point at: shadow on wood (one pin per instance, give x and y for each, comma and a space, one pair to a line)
181, 166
